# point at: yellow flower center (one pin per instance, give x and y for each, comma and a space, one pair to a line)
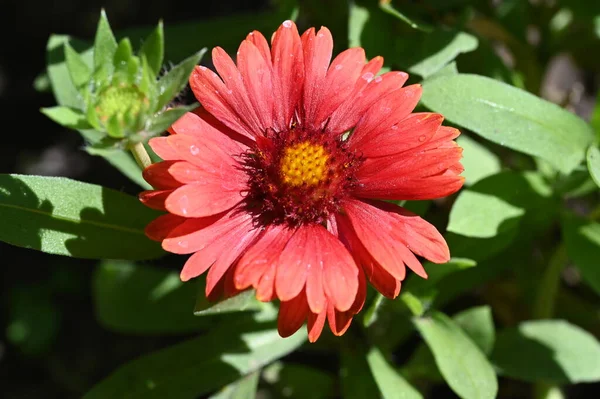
304, 164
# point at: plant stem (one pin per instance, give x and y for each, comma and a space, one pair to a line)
543, 308
141, 155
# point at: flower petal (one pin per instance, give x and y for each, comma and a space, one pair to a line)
162, 226
292, 315
198, 200
288, 73
317, 55
200, 124
257, 38
155, 199
339, 322
161, 147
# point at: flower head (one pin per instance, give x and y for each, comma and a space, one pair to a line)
277, 181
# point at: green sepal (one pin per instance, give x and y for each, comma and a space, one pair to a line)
162, 121
67, 116
153, 49
105, 46
78, 70
176, 79
114, 128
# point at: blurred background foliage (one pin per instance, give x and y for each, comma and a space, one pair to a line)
68, 323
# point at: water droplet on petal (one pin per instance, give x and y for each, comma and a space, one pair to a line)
339, 66
184, 202
183, 244
287, 24
194, 151
320, 35
394, 127
378, 79
422, 138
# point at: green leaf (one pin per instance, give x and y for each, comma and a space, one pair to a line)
78, 69
143, 300
582, 238
153, 48
242, 302
122, 55
356, 380
67, 117
244, 388
388, 8
162, 121
170, 84
436, 272
478, 161
463, 365
597, 25
391, 384
372, 311
593, 163
440, 48
478, 324
510, 117
198, 366
482, 215
105, 43
548, 350
66, 217
297, 381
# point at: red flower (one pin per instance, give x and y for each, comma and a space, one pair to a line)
274, 182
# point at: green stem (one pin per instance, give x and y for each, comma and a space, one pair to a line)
141, 155
543, 308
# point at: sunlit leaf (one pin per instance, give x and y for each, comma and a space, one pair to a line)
153, 48
245, 301
593, 163
478, 161
67, 117
391, 384
582, 238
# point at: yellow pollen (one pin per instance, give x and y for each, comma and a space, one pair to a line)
304, 163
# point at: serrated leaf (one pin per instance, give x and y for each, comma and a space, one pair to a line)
510, 117
219, 357
243, 302
143, 300
162, 121
105, 45
391, 384
66, 217
482, 215
170, 84
582, 238
68, 117
153, 49
593, 163
461, 363
78, 69
552, 351
478, 161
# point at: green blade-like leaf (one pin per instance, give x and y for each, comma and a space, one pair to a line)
125, 163
582, 238
478, 161
68, 117
511, 117
153, 48
66, 217
242, 302
548, 350
200, 365
164, 120
143, 300
463, 365
438, 49
356, 380
593, 163
78, 68
388, 8
482, 215
105, 44
296, 381
391, 384
122, 55
176, 79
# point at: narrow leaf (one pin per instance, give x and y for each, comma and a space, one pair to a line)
548, 350
386, 6
105, 44
198, 366
593, 163
510, 117
78, 69
122, 55
68, 117
582, 238
66, 217
478, 161
440, 48
242, 302
391, 384
177, 78
153, 49
143, 300
463, 365
356, 380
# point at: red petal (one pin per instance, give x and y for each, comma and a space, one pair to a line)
210, 152
292, 314
315, 325
339, 322
409, 187
203, 199
288, 73
317, 55
257, 38
257, 77
162, 148
369, 89
155, 199
159, 175
221, 101
200, 124
261, 256
292, 265
340, 81
162, 226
